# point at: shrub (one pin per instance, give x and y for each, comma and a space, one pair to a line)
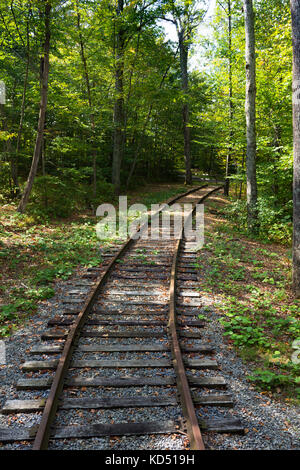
51, 197
269, 380
274, 223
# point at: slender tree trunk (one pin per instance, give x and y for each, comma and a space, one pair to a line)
229, 153
22, 108
89, 95
277, 155
119, 113
42, 114
241, 182
5, 145
20, 129
250, 109
183, 50
43, 154
127, 103
8, 153
295, 9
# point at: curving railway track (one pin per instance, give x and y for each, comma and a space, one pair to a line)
130, 326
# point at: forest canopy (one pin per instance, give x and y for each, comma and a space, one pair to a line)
116, 92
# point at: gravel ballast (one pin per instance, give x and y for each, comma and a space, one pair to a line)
269, 425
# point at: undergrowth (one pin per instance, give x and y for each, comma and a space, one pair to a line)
250, 280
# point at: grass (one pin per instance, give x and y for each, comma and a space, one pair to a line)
161, 196
33, 255
249, 281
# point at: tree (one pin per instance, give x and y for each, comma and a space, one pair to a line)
89, 94
183, 30
186, 16
250, 109
129, 20
295, 10
119, 115
42, 114
229, 153
14, 27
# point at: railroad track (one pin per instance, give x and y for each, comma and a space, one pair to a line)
130, 326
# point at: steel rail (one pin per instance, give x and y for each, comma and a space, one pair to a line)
193, 429
44, 428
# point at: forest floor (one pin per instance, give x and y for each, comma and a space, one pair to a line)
36, 254
249, 283
252, 316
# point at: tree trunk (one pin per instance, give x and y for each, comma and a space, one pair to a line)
119, 114
241, 182
6, 148
229, 153
250, 109
45, 189
42, 114
22, 112
183, 50
89, 96
295, 9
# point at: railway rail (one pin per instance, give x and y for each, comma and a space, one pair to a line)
134, 317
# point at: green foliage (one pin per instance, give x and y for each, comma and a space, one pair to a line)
42, 293
79, 127
159, 196
250, 282
5, 183
274, 106
8, 312
47, 275
244, 331
24, 303
57, 198
79, 124
269, 380
275, 222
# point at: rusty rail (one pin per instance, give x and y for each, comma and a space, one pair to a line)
193, 429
